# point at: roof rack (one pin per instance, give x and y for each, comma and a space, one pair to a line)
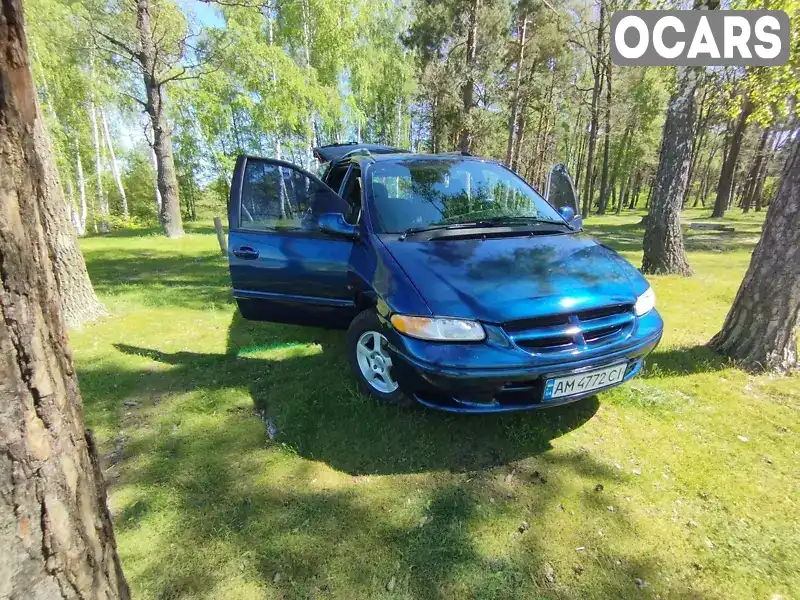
455, 153
356, 152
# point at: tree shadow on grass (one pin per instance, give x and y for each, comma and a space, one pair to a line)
212, 506
230, 505
684, 361
299, 378
627, 237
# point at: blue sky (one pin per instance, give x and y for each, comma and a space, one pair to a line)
204, 13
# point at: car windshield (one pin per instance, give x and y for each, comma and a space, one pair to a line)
419, 193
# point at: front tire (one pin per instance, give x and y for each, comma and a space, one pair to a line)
367, 349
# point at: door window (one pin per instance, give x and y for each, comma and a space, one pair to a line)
352, 194
280, 197
560, 191
336, 177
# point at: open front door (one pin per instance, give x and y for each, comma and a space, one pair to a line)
284, 267
560, 192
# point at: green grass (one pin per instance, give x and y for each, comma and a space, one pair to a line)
354, 500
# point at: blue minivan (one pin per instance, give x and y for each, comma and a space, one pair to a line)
462, 288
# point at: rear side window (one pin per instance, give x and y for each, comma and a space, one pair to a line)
277, 197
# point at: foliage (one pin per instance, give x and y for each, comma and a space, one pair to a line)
274, 78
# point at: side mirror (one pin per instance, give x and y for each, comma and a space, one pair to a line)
335, 224
568, 214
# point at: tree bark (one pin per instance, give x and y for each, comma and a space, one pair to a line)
468, 88
760, 329
162, 135
78, 300
57, 540
758, 192
663, 240
725, 185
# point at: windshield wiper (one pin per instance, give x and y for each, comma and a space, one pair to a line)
520, 219
413, 230
493, 222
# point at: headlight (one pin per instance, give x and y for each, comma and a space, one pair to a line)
439, 329
645, 303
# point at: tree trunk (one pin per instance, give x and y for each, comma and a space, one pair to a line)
80, 225
57, 540
114, 166
588, 185
704, 184
760, 329
637, 186
157, 192
663, 239
621, 153
523, 123
468, 88
584, 139
758, 192
78, 300
606, 145
102, 207
729, 166
753, 175
697, 145
650, 189
514, 116
162, 135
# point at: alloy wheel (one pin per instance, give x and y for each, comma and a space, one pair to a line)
375, 362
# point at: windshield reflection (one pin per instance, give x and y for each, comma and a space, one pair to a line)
417, 193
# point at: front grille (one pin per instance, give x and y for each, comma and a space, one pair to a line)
580, 329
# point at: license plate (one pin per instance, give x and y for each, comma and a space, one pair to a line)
583, 382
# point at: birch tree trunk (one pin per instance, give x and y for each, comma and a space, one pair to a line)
114, 166
56, 538
157, 192
81, 225
760, 329
162, 135
663, 239
102, 208
311, 130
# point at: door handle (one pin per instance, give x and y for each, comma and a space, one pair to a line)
246, 253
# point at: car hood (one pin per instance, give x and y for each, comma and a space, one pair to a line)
497, 280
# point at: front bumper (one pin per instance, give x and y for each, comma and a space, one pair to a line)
470, 388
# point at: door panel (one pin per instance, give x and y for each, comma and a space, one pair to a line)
283, 268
